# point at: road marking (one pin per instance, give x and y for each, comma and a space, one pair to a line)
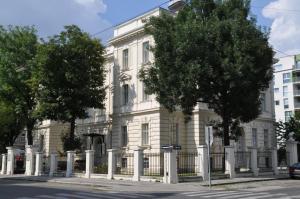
270, 195
97, 195
74, 196
51, 197
224, 194
248, 194
211, 193
193, 192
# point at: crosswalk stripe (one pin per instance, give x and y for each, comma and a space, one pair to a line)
211, 193
74, 196
243, 195
271, 196
223, 194
50, 197
102, 195
192, 192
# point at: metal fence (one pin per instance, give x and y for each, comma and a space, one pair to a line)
217, 162
124, 163
264, 160
79, 163
242, 161
100, 163
153, 164
187, 164
62, 163
45, 164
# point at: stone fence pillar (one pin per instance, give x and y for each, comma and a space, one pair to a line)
10, 160
111, 163
203, 161
3, 167
275, 161
230, 161
89, 163
53, 164
70, 163
38, 163
170, 166
291, 147
253, 159
138, 163
29, 161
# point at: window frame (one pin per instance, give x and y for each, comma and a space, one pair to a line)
146, 52
124, 136
145, 134
125, 59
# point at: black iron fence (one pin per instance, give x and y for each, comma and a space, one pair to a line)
45, 164
242, 161
264, 160
153, 164
187, 164
217, 162
100, 163
124, 163
62, 163
79, 163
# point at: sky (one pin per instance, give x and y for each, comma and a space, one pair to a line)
94, 16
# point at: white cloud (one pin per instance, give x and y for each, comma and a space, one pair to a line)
49, 16
285, 29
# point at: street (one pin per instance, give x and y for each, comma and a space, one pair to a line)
278, 189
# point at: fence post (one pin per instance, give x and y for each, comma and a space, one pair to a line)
38, 163
291, 147
29, 160
203, 161
10, 161
53, 164
253, 163
111, 163
3, 168
230, 161
89, 163
170, 166
70, 163
275, 161
138, 163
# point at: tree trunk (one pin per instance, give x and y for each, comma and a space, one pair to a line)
72, 130
29, 126
226, 130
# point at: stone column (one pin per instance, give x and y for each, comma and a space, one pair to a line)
111, 163
10, 161
70, 163
53, 164
3, 168
230, 161
38, 163
291, 147
138, 163
203, 161
29, 161
275, 161
253, 159
170, 164
89, 163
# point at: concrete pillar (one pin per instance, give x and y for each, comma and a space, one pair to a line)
170, 166
291, 147
29, 161
38, 163
275, 161
10, 161
253, 159
138, 163
230, 161
111, 163
89, 163
53, 164
3, 167
70, 163
203, 161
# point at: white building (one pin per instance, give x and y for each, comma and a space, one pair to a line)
287, 87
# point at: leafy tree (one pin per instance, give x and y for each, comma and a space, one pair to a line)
18, 47
211, 52
70, 76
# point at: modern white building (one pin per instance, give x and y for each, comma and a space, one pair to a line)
287, 87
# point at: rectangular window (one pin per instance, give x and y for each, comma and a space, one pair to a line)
254, 137
286, 103
145, 134
286, 77
297, 64
145, 95
278, 67
146, 52
285, 91
124, 136
124, 163
146, 163
263, 102
276, 90
277, 102
287, 115
266, 138
125, 94
125, 59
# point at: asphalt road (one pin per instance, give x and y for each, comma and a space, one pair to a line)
11, 189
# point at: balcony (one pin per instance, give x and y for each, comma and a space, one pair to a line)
296, 67
296, 80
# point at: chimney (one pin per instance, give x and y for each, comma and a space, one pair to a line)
176, 5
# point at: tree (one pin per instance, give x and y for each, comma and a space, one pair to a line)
18, 47
70, 75
211, 52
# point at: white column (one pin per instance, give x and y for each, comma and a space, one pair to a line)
253, 159
203, 161
53, 164
29, 161
3, 168
111, 163
291, 147
138, 163
10, 161
89, 163
38, 163
275, 161
230, 161
170, 164
70, 162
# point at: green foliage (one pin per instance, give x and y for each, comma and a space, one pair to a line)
18, 47
101, 169
211, 52
71, 144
